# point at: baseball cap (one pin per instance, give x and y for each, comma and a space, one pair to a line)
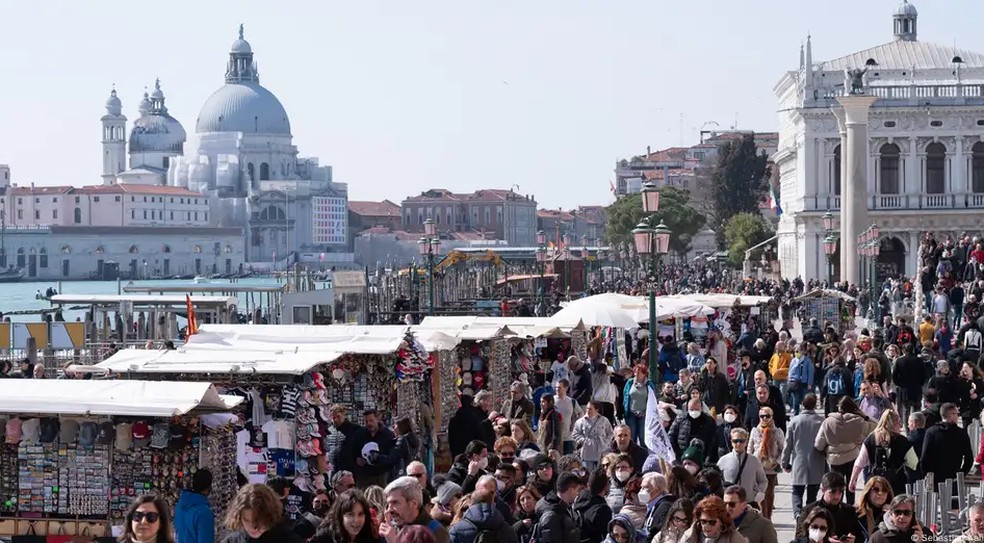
69, 431
49, 429
141, 434
87, 434
106, 433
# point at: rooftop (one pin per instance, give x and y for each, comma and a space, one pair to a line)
385, 208
133, 188
907, 55
481, 195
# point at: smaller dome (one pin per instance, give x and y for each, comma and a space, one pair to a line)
158, 94
157, 133
144, 107
241, 46
113, 104
906, 9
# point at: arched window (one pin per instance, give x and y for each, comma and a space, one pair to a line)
251, 172
889, 174
977, 168
935, 160
78, 215
836, 174
166, 249
264, 171
20, 257
272, 213
43, 258
134, 249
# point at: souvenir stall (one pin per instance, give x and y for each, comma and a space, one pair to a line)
76, 453
827, 305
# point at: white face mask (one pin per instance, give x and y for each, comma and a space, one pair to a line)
623, 475
483, 463
644, 496
692, 469
693, 413
730, 417
816, 534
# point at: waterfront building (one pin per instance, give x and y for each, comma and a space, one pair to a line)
364, 215
924, 151
491, 214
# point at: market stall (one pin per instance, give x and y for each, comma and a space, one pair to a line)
828, 306
77, 452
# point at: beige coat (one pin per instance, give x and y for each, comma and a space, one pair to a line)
841, 436
771, 464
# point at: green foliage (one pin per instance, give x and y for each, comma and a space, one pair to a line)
674, 210
744, 230
739, 180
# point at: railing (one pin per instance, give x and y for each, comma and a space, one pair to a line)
915, 92
959, 200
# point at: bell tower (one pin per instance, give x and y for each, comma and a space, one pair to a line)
113, 139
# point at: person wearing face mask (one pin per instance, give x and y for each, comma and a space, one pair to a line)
471, 465
695, 425
817, 527
730, 421
655, 495
592, 512
743, 469
194, 520
619, 473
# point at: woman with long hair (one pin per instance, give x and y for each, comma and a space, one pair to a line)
348, 521
713, 385
970, 387
256, 515
377, 505
681, 483
405, 449
817, 527
766, 441
147, 521
886, 452
635, 398
900, 523
678, 519
712, 522
871, 504
520, 430
526, 518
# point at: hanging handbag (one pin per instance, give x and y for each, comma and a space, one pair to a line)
61, 531
29, 531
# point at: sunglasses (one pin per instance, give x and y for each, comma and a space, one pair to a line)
902, 512
708, 521
731, 505
822, 528
739, 441
879, 490
765, 416
417, 475
681, 520
140, 516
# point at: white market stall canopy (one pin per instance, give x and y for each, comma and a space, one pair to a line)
340, 338
124, 398
624, 311
723, 300
826, 292
485, 328
201, 361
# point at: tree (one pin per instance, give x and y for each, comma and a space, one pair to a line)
739, 180
674, 210
745, 230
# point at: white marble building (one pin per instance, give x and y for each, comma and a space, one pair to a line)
925, 168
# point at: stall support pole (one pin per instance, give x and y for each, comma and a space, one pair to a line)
430, 283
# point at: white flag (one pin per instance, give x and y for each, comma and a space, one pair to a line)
656, 439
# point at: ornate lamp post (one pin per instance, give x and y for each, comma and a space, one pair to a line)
829, 244
566, 240
429, 246
652, 242
541, 260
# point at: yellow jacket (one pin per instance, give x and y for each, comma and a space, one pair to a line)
779, 366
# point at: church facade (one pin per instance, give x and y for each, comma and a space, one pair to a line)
241, 157
925, 150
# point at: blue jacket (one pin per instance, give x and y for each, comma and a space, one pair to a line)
194, 521
628, 387
801, 370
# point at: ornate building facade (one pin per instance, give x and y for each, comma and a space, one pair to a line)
925, 151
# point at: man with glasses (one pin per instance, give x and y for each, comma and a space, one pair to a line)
417, 470
341, 481
743, 469
749, 522
832, 488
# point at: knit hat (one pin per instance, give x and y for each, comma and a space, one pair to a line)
447, 492
695, 452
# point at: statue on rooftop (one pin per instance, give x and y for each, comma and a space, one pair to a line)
854, 80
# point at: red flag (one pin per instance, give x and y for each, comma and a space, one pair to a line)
611, 184
192, 320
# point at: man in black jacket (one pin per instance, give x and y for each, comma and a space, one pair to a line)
812, 333
695, 424
944, 383
471, 422
766, 396
947, 450
831, 499
909, 375
341, 454
556, 524
623, 443
371, 442
581, 387
591, 510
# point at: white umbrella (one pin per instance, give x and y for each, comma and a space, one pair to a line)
609, 309
674, 308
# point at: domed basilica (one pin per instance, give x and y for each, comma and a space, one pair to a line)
242, 156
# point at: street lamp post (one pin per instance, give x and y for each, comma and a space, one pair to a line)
829, 245
869, 247
429, 245
541, 260
652, 242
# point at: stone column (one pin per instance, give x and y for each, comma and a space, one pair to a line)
842, 128
958, 170
854, 205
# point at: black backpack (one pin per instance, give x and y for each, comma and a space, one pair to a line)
484, 536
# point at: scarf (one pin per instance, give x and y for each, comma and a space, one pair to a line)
763, 452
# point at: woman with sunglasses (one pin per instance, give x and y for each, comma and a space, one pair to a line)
900, 524
817, 527
678, 519
766, 441
147, 521
871, 507
712, 522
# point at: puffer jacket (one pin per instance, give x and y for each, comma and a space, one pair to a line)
556, 523
482, 517
841, 436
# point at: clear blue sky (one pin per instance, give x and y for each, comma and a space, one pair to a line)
405, 96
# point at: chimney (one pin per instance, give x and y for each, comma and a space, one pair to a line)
648, 151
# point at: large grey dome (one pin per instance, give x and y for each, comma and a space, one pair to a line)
157, 133
243, 107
